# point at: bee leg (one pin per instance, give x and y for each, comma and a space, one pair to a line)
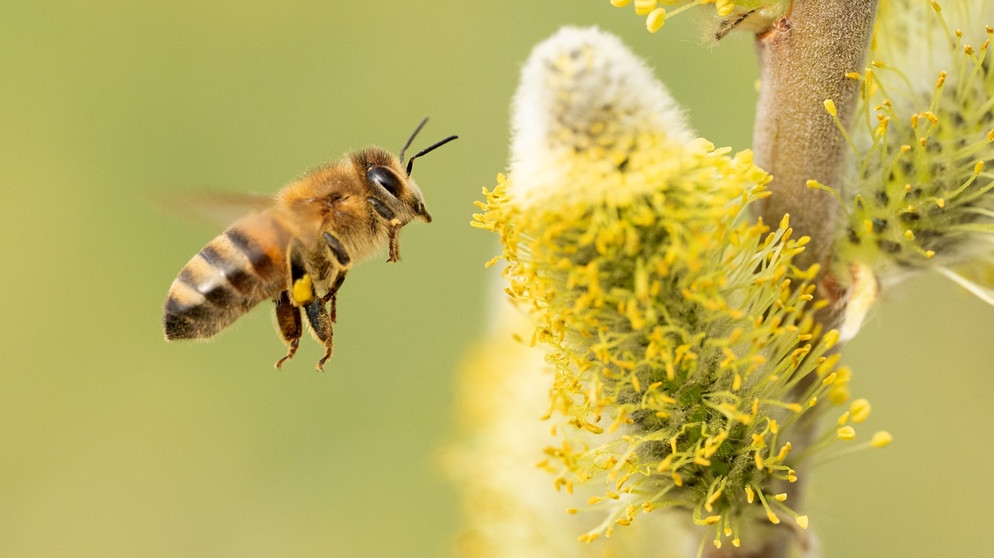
390, 216
301, 287
288, 322
337, 249
301, 294
394, 248
320, 323
382, 209
332, 294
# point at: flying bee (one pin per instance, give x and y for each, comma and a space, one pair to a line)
297, 249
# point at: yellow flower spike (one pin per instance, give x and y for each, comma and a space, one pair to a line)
838, 395
860, 410
724, 8
589, 537
670, 318
830, 107
802, 521
782, 454
937, 108
655, 20
846, 433
881, 439
772, 517
643, 7
620, 3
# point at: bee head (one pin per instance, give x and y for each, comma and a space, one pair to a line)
400, 192
395, 179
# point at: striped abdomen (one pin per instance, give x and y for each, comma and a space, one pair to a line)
240, 268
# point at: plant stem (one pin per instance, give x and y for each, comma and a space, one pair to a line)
804, 59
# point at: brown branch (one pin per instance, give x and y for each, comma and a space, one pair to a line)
804, 60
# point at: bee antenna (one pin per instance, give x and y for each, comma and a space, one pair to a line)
411, 139
429, 149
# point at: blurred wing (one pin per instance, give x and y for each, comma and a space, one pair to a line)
217, 208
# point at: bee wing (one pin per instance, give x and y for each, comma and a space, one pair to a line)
217, 208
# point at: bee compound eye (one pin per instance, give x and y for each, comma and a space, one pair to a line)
385, 178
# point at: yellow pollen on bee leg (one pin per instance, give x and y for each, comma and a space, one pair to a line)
303, 290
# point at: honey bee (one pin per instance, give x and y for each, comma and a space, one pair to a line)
297, 249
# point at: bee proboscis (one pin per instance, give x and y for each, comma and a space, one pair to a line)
298, 249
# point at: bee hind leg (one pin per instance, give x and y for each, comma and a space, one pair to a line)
320, 323
320, 319
300, 294
289, 323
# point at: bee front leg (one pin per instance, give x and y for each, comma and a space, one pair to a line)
394, 248
391, 217
288, 322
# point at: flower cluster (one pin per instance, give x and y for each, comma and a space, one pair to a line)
741, 14
682, 335
924, 143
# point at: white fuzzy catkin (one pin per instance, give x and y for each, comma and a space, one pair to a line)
583, 89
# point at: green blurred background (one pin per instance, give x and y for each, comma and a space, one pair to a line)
115, 443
